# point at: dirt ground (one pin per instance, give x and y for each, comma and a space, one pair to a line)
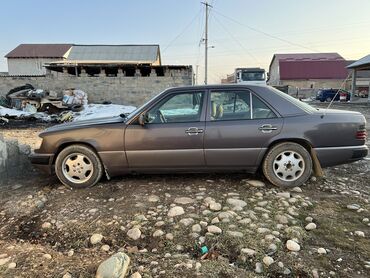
45, 228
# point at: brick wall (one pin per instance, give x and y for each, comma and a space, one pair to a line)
119, 90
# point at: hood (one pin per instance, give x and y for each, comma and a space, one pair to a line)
83, 124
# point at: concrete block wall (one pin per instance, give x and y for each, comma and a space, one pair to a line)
119, 90
14, 162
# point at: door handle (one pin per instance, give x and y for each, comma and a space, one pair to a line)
267, 128
193, 131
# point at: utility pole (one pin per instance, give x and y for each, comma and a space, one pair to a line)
196, 74
206, 43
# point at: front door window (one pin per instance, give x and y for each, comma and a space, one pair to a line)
178, 108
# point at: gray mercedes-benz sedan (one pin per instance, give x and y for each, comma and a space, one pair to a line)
206, 129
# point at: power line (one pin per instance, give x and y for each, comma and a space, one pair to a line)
183, 31
237, 41
264, 33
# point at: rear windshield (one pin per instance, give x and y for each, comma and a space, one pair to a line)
300, 104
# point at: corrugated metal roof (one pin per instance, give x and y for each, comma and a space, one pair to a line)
127, 53
363, 62
309, 57
39, 51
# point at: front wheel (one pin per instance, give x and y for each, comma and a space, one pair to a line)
78, 166
287, 165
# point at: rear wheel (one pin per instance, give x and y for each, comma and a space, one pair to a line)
287, 165
328, 99
78, 166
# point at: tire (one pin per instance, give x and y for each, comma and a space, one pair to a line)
328, 99
85, 164
77, 108
275, 169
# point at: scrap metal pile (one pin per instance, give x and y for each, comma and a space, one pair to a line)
25, 103
29, 99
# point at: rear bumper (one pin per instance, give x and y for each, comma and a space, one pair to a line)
331, 156
42, 161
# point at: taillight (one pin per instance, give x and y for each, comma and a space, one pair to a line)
361, 134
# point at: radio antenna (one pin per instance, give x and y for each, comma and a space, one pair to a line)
341, 88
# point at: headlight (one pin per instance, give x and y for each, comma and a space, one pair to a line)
38, 143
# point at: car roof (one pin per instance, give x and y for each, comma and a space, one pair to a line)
219, 86
276, 99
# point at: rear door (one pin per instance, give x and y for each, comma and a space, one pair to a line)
173, 135
239, 125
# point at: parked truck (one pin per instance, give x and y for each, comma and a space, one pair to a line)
250, 76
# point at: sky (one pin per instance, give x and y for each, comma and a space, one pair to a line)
242, 33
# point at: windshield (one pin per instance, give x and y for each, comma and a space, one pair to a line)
253, 76
304, 106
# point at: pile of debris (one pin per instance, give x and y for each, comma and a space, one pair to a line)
29, 99
27, 103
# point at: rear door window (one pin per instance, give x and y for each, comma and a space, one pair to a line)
261, 110
238, 105
230, 105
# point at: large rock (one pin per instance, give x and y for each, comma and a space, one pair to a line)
267, 260
259, 268
283, 194
187, 221
158, 233
310, 226
196, 228
209, 200
136, 275
236, 202
175, 211
293, 246
134, 233
114, 267
256, 183
215, 206
247, 251
3, 261
354, 207
235, 234
153, 198
225, 214
321, 251
96, 238
184, 200
214, 229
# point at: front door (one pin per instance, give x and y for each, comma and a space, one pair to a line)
172, 136
239, 125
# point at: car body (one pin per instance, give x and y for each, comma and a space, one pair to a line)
330, 94
209, 128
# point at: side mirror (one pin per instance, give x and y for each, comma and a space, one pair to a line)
143, 119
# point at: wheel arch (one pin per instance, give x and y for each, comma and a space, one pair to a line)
70, 143
303, 142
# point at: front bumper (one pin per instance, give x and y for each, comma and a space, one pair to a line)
331, 156
43, 162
